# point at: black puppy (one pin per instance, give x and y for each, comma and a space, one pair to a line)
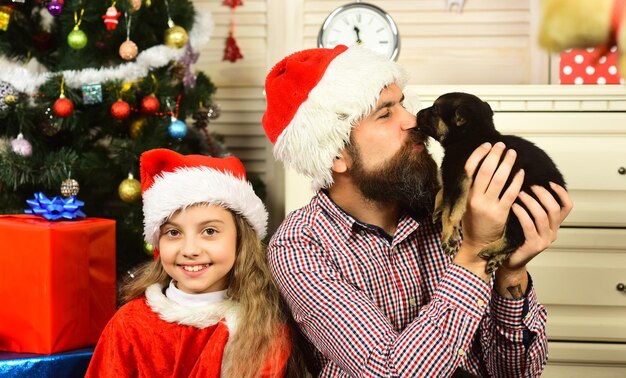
461, 122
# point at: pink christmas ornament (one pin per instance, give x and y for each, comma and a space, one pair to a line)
21, 146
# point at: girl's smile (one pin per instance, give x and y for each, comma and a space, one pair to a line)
197, 247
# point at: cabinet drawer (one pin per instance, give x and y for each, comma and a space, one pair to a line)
584, 360
590, 149
576, 280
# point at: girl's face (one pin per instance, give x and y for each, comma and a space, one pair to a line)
197, 247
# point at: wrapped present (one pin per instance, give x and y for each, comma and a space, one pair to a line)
589, 66
57, 282
72, 364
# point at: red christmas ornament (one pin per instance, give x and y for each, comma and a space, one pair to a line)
232, 52
110, 18
232, 3
150, 105
63, 107
120, 109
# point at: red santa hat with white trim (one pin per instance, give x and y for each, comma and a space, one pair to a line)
171, 181
315, 97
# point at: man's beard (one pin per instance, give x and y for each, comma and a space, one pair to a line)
408, 178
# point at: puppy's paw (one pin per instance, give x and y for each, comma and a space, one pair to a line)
436, 215
492, 265
450, 246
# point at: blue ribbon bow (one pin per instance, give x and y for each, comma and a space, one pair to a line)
55, 208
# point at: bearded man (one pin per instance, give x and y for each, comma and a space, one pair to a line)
361, 266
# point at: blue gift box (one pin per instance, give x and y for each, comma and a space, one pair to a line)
69, 364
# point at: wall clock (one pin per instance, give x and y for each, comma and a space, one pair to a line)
361, 24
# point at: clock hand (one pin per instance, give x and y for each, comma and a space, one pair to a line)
358, 39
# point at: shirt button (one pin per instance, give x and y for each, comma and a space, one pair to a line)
362, 232
480, 303
394, 250
461, 352
412, 302
527, 316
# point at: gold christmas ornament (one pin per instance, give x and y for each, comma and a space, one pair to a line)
136, 127
135, 4
128, 50
69, 188
5, 17
176, 36
130, 189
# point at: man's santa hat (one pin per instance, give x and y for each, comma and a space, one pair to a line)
315, 97
171, 181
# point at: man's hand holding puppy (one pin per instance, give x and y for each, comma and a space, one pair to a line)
487, 211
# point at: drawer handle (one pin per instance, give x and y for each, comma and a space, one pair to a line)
621, 171
621, 287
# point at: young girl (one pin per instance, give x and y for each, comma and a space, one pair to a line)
206, 307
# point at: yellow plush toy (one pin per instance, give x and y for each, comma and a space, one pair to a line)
584, 23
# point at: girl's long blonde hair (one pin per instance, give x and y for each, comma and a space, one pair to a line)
262, 324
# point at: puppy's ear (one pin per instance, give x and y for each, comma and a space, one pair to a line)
459, 118
488, 107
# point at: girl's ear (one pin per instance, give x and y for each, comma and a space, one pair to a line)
340, 164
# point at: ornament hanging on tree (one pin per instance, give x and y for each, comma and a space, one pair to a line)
63, 107
135, 5
6, 12
110, 17
92, 94
128, 50
7, 95
214, 111
150, 104
77, 39
129, 189
136, 127
120, 110
232, 3
21, 146
55, 7
232, 52
190, 57
69, 187
177, 128
148, 248
175, 36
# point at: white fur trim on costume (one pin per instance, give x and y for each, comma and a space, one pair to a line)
184, 187
321, 127
198, 317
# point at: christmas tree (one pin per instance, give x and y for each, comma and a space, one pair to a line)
85, 88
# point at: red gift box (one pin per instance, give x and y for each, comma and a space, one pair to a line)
57, 282
584, 66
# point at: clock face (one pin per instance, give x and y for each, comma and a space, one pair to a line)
360, 24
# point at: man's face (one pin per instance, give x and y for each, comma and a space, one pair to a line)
389, 161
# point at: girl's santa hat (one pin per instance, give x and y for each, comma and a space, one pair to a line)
315, 97
171, 181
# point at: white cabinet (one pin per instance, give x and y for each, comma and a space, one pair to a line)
583, 129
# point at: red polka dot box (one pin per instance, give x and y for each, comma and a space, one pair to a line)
577, 67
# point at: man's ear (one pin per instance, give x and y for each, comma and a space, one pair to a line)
459, 118
340, 163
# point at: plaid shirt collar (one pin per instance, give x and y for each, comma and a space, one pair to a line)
348, 225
